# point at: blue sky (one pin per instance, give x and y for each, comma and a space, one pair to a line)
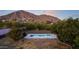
57, 13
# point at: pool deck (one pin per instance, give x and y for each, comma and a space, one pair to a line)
42, 44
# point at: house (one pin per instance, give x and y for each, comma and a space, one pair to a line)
3, 32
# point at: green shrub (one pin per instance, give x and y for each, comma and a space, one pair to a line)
16, 34
68, 31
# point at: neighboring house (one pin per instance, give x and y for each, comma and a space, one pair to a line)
3, 32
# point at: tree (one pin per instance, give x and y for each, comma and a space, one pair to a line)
16, 34
31, 26
67, 31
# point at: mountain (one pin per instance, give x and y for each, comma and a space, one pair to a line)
27, 16
48, 18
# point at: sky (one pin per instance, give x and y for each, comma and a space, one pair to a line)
62, 14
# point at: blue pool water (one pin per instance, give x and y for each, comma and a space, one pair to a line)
41, 36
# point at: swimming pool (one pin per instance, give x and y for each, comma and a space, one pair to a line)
41, 36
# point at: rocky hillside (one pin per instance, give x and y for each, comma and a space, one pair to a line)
27, 16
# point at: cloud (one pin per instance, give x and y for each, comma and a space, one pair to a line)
50, 12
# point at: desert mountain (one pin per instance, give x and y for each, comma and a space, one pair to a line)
27, 16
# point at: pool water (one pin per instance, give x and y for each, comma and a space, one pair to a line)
41, 36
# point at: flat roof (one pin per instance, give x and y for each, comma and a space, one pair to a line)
4, 31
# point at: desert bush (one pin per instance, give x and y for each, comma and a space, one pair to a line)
67, 31
16, 34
